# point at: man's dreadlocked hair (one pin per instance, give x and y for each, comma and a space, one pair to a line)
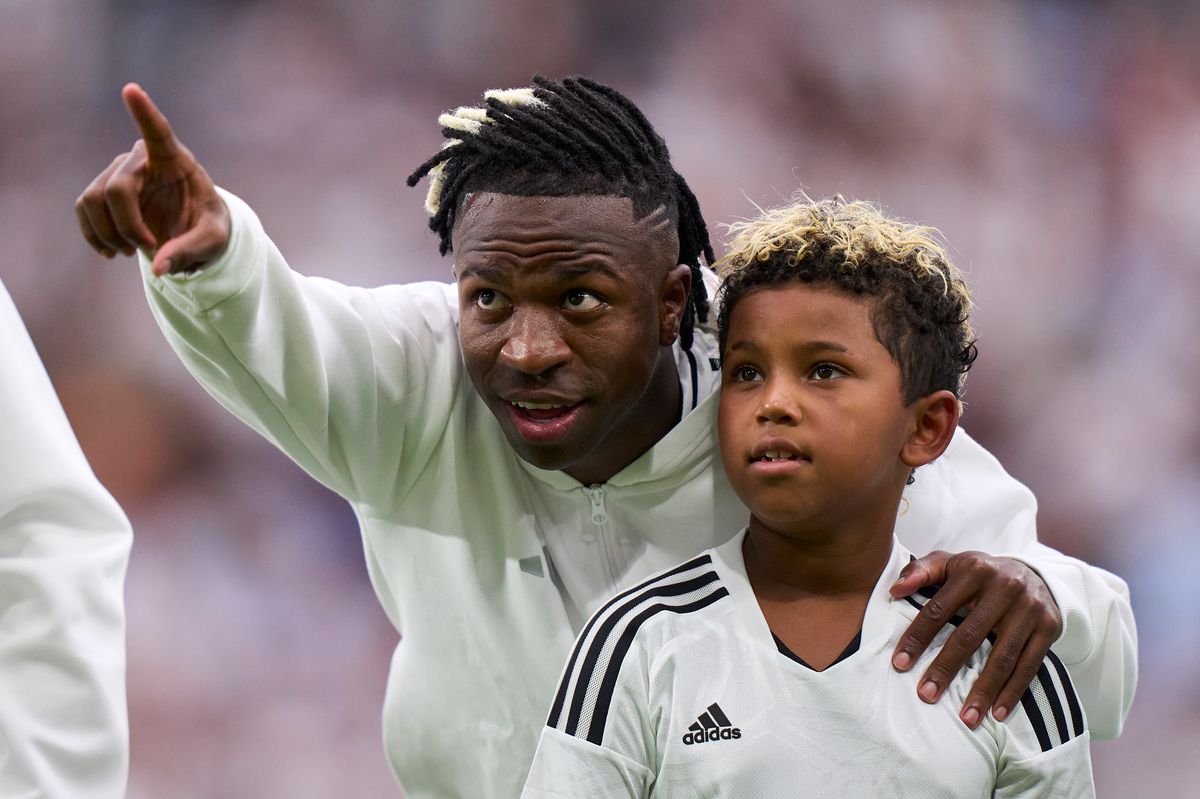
565, 139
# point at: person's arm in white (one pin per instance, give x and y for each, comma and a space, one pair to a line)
1045, 746
64, 547
353, 384
592, 749
965, 500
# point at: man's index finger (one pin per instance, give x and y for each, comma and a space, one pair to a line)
152, 125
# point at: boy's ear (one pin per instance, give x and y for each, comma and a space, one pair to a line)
673, 299
935, 418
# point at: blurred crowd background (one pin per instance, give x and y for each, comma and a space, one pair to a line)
1056, 144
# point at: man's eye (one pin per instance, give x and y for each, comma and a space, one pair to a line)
827, 371
490, 300
581, 300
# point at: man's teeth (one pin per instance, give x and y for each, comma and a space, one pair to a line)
537, 406
777, 455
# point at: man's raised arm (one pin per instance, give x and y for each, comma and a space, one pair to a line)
353, 384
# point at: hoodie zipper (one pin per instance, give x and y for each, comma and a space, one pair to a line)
600, 522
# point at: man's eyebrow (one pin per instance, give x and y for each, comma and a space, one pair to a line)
495, 272
484, 271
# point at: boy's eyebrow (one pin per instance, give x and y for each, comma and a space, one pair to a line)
805, 348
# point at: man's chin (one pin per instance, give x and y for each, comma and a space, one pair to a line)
551, 458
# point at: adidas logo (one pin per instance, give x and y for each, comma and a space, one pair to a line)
713, 725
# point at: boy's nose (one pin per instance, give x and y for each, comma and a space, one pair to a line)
778, 406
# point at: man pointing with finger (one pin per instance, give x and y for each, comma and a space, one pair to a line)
522, 443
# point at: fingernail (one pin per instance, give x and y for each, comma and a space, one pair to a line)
999, 713
970, 717
928, 690
902, 661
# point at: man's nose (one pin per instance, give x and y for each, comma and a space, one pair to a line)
535, 343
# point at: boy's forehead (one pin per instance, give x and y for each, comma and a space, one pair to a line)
804, 310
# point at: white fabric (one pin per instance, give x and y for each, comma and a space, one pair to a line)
64, 546
776, 727
365, 389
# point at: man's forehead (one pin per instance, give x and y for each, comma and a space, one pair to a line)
492, 215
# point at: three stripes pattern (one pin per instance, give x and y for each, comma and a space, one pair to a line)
1050, 702
585, 694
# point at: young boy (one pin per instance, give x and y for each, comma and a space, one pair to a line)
762, 668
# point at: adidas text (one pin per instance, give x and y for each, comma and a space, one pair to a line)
715, 734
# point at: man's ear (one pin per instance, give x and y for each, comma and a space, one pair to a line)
934, 420
673, 299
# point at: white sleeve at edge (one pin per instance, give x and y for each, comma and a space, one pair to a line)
64, 547
1064, 772
566, 766
966, 500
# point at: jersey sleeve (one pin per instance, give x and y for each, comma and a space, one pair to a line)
568, 766
356, 385
1045, 744
965, 500
64, 546
599, 739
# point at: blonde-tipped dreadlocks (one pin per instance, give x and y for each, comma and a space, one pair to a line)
564, 139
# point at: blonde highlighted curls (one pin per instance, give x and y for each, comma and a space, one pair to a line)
922, 302
853, 232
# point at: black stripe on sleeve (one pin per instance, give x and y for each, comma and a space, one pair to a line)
1056, 708
604, 699
1034, 714
1068, 690
588, 668
1029, 702
561, 697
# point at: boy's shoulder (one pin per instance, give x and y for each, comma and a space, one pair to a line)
674, 603
669, 603
1049, 714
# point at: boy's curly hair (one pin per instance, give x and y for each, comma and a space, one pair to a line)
922, 304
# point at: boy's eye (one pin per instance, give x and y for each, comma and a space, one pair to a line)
827, 371
745, 374
581, 300
491, 300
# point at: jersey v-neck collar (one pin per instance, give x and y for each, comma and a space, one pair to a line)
731, 566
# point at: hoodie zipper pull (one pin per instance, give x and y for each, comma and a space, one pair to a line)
599, 512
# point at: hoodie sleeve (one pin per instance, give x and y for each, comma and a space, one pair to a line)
356, 385
64, 547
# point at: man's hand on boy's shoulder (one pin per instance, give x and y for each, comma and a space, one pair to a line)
998, 595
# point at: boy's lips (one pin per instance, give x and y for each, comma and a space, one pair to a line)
775, 456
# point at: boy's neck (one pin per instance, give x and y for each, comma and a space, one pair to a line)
814, 589
831, 563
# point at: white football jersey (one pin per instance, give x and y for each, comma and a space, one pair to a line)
678, 688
